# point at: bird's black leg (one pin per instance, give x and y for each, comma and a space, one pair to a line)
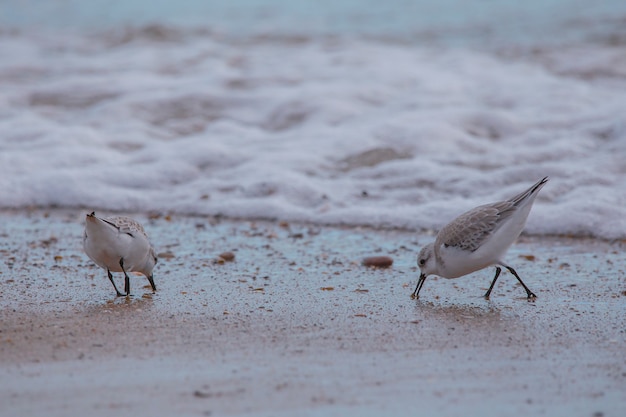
488, 293
529, 293
119, 294
152, 283
126, 279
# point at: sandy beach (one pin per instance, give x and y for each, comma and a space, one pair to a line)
353, 129
295, 325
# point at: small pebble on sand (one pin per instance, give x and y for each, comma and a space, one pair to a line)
378, 261
227, 256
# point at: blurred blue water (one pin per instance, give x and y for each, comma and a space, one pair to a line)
473, 21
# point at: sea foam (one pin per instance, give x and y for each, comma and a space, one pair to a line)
326, 129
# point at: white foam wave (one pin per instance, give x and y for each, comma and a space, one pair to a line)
331, 130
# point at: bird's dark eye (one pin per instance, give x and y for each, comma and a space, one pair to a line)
422, 262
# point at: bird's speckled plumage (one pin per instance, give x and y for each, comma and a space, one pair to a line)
127, 225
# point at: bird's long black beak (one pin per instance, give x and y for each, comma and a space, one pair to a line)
152, 283
418, 287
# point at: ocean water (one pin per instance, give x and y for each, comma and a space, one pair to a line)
402, 114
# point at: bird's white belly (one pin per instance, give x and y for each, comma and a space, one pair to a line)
105, 257
108, 251
457, 263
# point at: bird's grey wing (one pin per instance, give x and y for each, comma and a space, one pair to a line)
469, 230
127, 225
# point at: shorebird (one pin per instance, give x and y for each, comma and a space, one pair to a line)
119, 244
477, 239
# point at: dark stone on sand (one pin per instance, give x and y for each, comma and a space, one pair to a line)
227, 256
378, 261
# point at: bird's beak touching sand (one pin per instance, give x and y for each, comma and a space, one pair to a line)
418, 287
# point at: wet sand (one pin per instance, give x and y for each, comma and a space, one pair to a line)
295, 325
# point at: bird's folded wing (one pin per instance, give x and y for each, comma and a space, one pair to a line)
127, 225
469, 230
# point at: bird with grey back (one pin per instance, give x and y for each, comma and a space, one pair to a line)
478, 239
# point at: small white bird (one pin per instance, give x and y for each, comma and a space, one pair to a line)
119, 244
478, 239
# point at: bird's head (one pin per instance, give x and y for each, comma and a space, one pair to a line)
150, 261
426, 260
427, 264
